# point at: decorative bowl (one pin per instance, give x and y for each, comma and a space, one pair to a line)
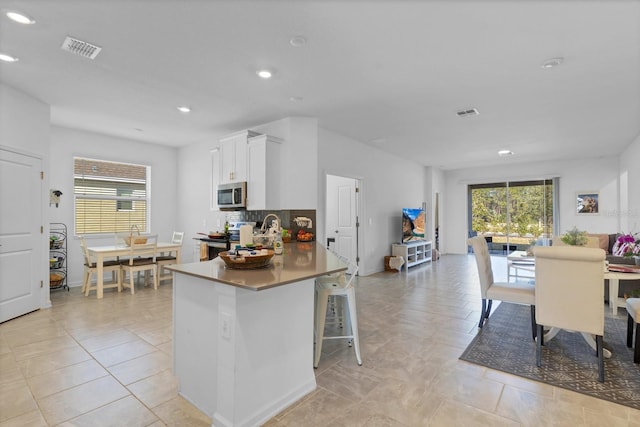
242, 262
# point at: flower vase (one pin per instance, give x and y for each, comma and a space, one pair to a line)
637, 260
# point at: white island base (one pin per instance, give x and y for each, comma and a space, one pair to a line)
242, 356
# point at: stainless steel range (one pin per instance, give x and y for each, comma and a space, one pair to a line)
234, 230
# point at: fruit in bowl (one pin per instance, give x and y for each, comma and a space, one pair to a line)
304, 236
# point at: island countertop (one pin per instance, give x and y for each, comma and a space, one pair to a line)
299, 261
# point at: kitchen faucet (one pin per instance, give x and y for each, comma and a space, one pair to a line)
264, 223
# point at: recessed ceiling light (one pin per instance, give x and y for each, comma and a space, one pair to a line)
7, 58
264, 74
503, 153
552, 62
297, 41
296, 99
20, 18
184, 109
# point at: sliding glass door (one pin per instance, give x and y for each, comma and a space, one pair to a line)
512, 215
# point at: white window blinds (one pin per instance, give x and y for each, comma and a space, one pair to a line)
110, 197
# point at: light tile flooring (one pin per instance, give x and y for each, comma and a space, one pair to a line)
89, 362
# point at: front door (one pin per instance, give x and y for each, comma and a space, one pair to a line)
342, 216
20, 234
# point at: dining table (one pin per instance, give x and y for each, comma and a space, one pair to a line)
100, 253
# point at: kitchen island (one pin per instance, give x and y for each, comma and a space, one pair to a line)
243, 339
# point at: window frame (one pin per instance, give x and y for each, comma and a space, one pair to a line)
131, 198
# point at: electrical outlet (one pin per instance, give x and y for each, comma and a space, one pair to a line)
218, 222
225, 325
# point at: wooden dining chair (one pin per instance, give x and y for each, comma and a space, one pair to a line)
90, 268
141, 258
569, 293
165, 259
517, 293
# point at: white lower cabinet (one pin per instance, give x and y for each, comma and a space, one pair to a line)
414, 252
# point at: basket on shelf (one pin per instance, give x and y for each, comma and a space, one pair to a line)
56, 242
56, 279
56, 262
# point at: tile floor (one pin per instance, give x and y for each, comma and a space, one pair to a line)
89, 362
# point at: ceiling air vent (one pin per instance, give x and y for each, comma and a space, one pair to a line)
467, 113
78, 47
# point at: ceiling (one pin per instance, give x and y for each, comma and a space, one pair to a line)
389, 73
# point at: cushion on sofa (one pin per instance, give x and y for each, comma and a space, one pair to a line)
603, 241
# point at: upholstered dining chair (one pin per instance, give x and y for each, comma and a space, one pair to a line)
569, 293
142, 257
517, 293
90, 268
633, 317
168, 258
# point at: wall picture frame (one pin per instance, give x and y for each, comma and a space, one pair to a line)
587, 203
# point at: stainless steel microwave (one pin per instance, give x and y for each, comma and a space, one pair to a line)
232, 195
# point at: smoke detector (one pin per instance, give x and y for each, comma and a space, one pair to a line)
467, 113
81, 48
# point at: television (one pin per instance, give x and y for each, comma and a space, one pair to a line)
413, 224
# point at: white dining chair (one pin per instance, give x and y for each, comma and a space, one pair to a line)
517, 293
165, 259
142, 257
90, 268
569, 294
633, 317
338, 287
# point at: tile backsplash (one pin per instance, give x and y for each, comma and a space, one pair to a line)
286, 216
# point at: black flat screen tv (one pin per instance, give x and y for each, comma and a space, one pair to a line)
413, 224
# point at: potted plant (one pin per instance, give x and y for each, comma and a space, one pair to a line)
628, 246
575, 237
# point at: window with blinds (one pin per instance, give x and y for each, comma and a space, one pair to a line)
110, 197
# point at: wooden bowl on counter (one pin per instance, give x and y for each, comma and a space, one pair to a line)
241, 262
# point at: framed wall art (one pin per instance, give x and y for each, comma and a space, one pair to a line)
587, 203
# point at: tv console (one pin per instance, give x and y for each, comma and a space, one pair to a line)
413, 252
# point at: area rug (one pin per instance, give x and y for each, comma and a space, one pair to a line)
505, 344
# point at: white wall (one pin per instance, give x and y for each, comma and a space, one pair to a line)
629, 197
24, 127
600, 175
389, 184
69, 143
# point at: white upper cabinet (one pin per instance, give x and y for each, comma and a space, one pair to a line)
216, 172
263, 173
233, 157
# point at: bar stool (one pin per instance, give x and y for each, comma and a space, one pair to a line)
340, 288
633, 315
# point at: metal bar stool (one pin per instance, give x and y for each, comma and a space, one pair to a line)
337, 286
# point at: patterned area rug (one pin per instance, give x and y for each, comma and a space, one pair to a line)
505, 344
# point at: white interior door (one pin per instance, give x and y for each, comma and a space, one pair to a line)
20, 234
342, 216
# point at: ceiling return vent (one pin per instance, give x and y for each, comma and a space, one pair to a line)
82, 48
467, 113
